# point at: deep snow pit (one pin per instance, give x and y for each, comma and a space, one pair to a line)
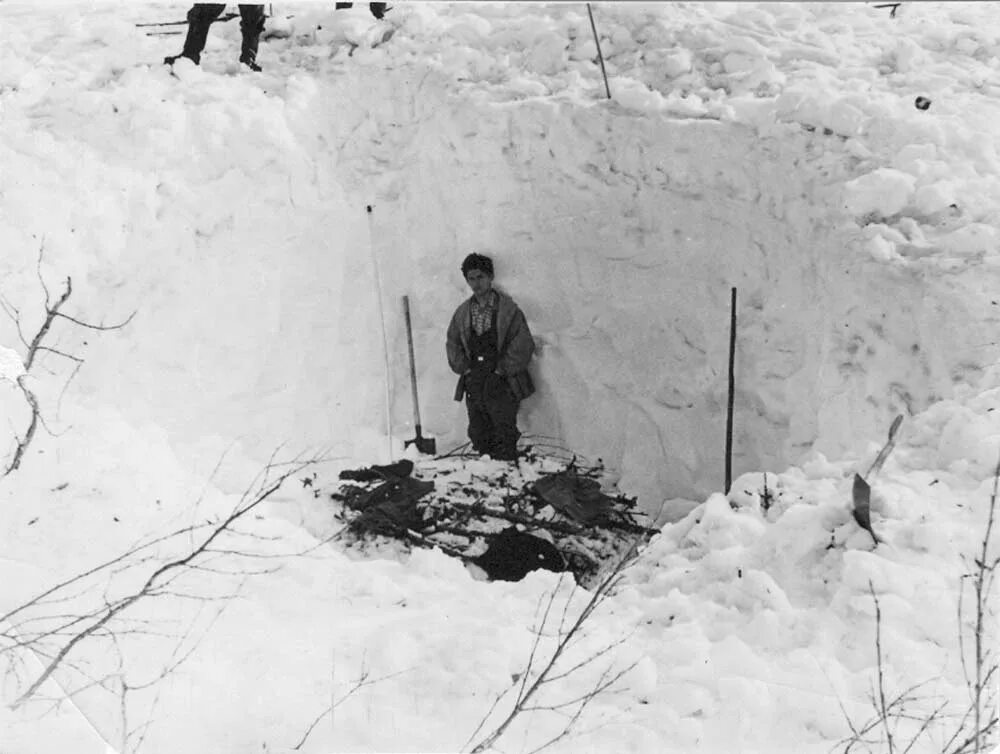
230, 210
774, 147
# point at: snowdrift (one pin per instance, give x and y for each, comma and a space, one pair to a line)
775, 148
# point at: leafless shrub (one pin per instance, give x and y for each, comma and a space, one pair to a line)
973, 728
540, 673
364, 679
38, 345
92, 610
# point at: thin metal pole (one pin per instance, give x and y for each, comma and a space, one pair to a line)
600, 55
385, 338
732, 392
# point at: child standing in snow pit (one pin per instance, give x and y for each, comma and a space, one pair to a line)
489, 346
200, 19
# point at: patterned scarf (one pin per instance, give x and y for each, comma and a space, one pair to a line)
482, 316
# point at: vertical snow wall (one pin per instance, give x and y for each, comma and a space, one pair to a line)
234, 221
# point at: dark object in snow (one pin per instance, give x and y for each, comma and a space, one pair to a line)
390, 509
513, 555
886, 449
731, 398
861, 495
378, 9
600, 54
922, 103
398, 470
462, 517
893, 6
574, 496
201, 17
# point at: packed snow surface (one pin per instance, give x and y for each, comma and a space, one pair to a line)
775, 148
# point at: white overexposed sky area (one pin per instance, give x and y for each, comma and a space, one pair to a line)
214, 304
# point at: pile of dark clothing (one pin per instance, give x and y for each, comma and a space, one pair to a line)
559, 521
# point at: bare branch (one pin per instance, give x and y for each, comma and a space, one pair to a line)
50, 315
106, 564
38, 271
159, 575
29, 434
881, 679
57, 352
102, 327
603, 684
592, 658
363, 680
15, 316
526, 693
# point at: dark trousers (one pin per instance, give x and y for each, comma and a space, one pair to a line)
492, 411
200, 19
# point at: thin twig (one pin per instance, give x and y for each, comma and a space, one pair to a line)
29, 434
90, 326
50, 315
163, 572
881, 679
526, 693
363, 680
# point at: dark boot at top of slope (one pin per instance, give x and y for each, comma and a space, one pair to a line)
378, 9
199, 19
251, 26
249, 63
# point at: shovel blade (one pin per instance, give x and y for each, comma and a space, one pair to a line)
425, 445
861, 494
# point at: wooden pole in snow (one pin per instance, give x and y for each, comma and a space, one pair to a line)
732, 392
600, 55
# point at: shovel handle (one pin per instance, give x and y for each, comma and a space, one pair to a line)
413, 363
886, 449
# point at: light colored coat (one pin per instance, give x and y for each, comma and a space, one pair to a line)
515, 345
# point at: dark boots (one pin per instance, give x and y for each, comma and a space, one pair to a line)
200, 19
251, 25
378, 9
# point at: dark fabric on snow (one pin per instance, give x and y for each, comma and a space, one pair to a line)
398, 470
578, 497
512, 555
389, 509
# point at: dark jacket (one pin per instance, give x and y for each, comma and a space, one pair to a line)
514, 342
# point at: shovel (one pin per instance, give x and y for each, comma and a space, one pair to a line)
426, 445
862, 491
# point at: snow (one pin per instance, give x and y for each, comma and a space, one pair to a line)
11, 365
774, 147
